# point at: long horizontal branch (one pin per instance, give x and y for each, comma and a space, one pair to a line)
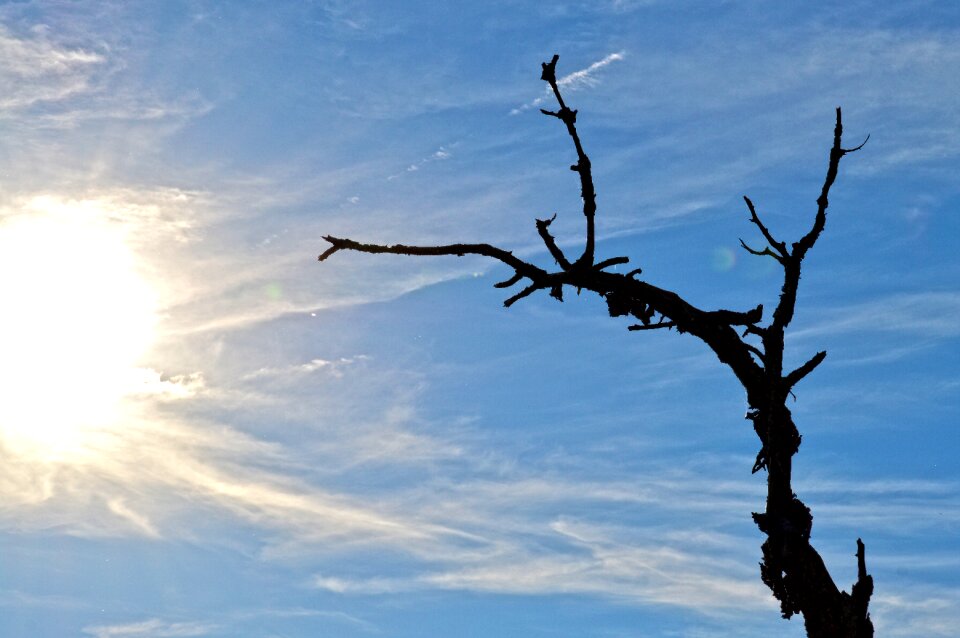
522, 267
624, 295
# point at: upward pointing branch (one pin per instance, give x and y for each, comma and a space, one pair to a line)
792, 259
582, 167
836, 152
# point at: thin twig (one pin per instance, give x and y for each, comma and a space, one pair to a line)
542, 228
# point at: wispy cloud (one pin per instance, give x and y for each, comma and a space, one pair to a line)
705, 566
921, 611
127, 108
338, 617
930, 314
153, 627
596, 562
145, 381
224, 623
140, 522
441, 154
333, 367
131, 487
49, 84
34, 69
661, 572
19, 599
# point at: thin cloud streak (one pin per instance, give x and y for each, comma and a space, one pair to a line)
929, 314
334, 368
661, 572
35, 70
153, 627
918, 611
573, 81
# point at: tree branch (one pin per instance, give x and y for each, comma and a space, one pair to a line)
794, 377
613, 261
542, 227
836, 152
735, 318
509, 282
524, 268
526, 292
755, 350
765, 251
636, 297
582, 167
783, 314
778, 245
539, 277
652, 326
861, 592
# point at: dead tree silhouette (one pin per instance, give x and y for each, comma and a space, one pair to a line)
752, 349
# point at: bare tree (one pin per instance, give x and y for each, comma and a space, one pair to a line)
752, 349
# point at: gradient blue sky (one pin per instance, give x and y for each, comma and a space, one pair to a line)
374, 446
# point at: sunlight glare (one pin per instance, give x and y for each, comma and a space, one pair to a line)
76, 317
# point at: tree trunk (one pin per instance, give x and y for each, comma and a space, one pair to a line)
791, 567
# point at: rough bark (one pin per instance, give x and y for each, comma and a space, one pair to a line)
791, 567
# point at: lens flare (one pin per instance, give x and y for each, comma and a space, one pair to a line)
723, 259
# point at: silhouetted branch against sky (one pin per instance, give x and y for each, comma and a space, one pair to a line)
792, 568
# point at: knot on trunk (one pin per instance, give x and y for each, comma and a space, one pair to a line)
788, 530
790, 520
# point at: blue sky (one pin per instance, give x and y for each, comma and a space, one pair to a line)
207, 433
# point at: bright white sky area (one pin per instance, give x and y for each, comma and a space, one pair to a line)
205, 432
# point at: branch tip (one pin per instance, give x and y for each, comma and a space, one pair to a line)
760, 253
856, 148
546, 222
861, 560
651, 326
549, 73
613, 261
526, 292
794, 377
508, 282
334, 247
550, 242
780, 247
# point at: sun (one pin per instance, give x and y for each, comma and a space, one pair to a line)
75, 317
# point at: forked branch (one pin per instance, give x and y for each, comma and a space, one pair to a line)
790, 258
779, 246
